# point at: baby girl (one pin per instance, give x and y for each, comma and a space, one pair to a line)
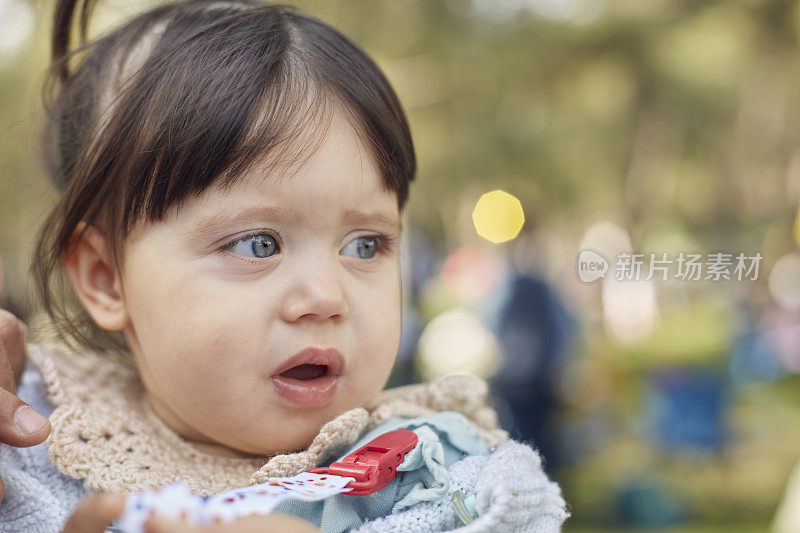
222, 267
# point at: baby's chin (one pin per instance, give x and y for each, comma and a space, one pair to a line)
275, 445
293, 434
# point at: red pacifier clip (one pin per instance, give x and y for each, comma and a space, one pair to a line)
374, 464
361, 473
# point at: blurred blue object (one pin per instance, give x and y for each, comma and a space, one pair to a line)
580, 437
647, 504
686, 410
533, 328
753, 359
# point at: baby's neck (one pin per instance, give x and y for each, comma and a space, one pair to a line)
193, 437
219, 449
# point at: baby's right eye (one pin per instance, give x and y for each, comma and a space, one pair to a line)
258, 245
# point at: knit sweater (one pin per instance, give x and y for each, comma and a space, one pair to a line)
106, 438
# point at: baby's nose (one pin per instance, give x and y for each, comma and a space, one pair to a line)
317, 292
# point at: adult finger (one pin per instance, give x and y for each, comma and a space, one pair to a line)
20, 424
95, 513
13, 353
22, 417
252, 524
159, 524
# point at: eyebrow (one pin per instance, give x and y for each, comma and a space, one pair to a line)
276, 213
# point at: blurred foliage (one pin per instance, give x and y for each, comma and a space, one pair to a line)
695, 334
742, 484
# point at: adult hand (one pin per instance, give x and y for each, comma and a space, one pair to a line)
281, 522
20, 424
95, 512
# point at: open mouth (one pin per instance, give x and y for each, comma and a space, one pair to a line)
309, 378
305, 372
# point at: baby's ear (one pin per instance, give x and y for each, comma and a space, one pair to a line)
96, 280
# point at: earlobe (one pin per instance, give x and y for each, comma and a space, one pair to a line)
95, 278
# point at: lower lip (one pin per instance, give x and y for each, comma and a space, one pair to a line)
306, 393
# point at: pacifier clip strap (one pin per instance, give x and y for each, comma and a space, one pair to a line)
360, 473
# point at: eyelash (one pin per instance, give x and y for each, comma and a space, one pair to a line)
385, 244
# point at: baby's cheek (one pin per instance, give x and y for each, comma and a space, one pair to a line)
220, 347
207, 373
379, 352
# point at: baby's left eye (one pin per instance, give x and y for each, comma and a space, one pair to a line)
365, 247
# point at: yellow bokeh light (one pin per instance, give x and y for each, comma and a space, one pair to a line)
498, 216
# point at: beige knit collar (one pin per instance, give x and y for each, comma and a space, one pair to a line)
104, 431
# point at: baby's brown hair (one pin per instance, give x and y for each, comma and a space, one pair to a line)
182, 98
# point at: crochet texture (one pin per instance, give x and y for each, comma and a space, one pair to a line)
104, 431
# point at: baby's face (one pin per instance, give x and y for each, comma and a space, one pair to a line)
259, 313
